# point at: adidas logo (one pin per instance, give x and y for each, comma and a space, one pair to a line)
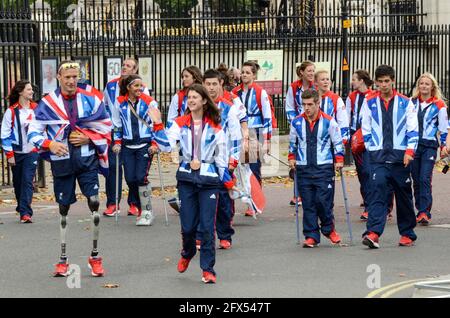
432, 158
146, 155
213, 196
408, 180
374, 176
330, 186
35, 162
96, 187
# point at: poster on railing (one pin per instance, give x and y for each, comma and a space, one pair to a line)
270, 76
145, 70
113, 67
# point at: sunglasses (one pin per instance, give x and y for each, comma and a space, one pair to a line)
67, 66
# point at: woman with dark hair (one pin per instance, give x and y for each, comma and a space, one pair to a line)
202, 173
189, 75
305, 73
22, 156
259, 111
134, 136
178, 105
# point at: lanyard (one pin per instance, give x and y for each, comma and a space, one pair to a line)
71, 112
196, 147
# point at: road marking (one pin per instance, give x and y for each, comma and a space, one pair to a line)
385, 288
396, 290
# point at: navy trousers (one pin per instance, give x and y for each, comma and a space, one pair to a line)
23, 175
198, 208
363, 169
384, 178
422, 173
136, 164
224, 219
318, 201
110, 180
225, 216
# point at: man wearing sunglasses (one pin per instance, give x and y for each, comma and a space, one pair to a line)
74, 128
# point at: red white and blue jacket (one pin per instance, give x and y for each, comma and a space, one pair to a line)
432, 117
294, 103
317, 145
256, 118
353, 106
52, 123
112, 91
232, 128
177, 106
333, 105
128, 129
238, 103
214, 155
389, 128
14, 131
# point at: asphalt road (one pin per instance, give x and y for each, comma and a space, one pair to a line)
265, 260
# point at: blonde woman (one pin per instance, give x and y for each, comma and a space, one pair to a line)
433, 130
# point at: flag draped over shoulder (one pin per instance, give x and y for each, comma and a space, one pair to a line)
93, 121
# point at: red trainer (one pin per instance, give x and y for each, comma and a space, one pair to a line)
61, 270
309, 243
183, 264
334, 237
405, 241
423, 219
208, 278
198, 244
133, 210
364, 216
110, 210
299, 200
26, 219
371, 240
95, 264
249, 212
224, 244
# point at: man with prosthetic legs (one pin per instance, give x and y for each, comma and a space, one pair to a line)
73, 129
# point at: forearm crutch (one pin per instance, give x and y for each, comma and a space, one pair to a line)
347, 211
162, 188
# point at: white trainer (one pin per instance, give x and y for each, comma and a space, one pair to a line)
146, 218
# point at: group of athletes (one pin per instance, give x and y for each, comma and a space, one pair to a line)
219, 119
